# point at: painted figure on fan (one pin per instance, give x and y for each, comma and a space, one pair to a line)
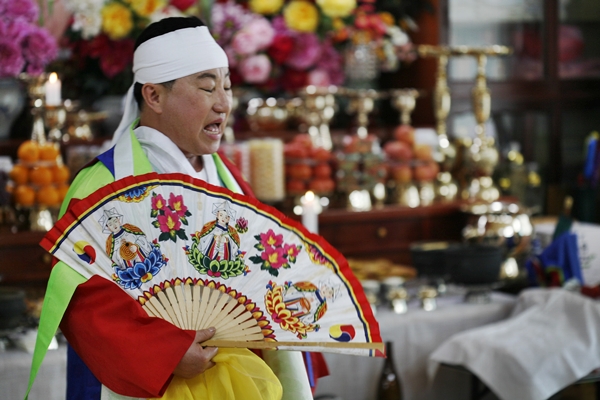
126, 244
220, 241
308, 302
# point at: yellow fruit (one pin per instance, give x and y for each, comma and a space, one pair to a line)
29, 151
48, 152
62, 189
60, 173
19, 174
47, 196
40, 176
24, 195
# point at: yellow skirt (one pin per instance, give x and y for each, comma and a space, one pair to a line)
238, 374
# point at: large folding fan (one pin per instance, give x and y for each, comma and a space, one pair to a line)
198, 255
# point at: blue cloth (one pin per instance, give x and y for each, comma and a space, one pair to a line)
557, 264
81, 383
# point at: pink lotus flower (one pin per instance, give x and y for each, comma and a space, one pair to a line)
176, 204
274, 257
158, 202
270, 239
255, 69
169, 222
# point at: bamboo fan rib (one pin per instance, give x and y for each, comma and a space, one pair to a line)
196, 307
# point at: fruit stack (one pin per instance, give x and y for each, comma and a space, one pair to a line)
361, 164
307, 167
39, 177
409, 162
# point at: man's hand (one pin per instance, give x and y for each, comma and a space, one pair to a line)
197, 359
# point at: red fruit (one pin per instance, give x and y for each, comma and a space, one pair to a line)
402, 173
303, 139
294, 186
295, 150
423, 152
405, 133
426, 172
322, 171
320, 154
321, 185
398, 150
299, 171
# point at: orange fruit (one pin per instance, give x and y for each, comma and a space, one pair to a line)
47, 196
48, 152
62, 189
29, 151
24, 195
60, 173
40, 176
19, 174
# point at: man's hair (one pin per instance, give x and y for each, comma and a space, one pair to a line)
159, 28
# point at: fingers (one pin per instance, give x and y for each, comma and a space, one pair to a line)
204, 334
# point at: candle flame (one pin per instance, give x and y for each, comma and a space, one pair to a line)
309, 196
53, 77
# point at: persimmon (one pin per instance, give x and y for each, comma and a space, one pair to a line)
19, 174
29, 151
40, 176
48, 152
47, 195
60, 173
24, 195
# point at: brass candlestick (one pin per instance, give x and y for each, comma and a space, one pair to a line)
405, 100
318, 108
482, 155
362, 102
36, 90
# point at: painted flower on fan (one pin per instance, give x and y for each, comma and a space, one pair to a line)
292, 251
270, 239
176, 204
141, 272
24, 46
274, 257
241, 225
168, 221
157, 203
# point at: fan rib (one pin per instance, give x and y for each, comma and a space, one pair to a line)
167, 306
224, 314
216, 310
170, 292
182, 305
203, 307
187, 290
160, 309
214, 296
233, 316
195, 305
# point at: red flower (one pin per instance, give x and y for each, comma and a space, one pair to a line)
293, 79
169, 222
182, 5
281, 48
118, 58
176, 204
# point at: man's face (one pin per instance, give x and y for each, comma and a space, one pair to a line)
195, 111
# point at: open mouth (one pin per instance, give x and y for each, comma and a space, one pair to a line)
212, 129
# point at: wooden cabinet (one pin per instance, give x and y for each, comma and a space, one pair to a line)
23, 262
389, 231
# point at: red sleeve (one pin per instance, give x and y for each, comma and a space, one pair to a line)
129, 352
245, 186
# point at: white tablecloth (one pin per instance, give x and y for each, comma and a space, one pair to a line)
415, 335
549, 342
50, 383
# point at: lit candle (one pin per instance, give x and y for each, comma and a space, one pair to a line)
53, 89
311, 208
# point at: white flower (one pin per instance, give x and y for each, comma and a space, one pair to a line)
165, 12
87, 16
397, 35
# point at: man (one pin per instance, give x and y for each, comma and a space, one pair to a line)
183, 92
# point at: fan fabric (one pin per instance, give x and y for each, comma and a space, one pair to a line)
155, 231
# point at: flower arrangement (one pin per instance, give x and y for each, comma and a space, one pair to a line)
280, 46
100, 39
24, 46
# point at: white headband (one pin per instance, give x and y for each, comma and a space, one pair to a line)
167, 57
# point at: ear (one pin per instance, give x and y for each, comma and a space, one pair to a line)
153, 95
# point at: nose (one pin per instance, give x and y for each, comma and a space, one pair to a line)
223, 102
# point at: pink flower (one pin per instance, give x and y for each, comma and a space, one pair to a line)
319, 77
39, 48
176, 204
262, 31
169, 222
270, 239
255, 69
291, 250
245, 42
182, 5
158, 202
19, 9
12, 61
306, 51
231, 56
274, 257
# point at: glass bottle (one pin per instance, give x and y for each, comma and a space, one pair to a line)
389, 387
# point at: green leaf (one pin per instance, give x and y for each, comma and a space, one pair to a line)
274, 271
164, 236
156, 224
181, 234
188, 214
154, 213
183, 220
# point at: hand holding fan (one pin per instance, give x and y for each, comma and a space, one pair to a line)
198, 255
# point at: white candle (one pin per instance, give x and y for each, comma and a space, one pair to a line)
53, 89
311, 208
